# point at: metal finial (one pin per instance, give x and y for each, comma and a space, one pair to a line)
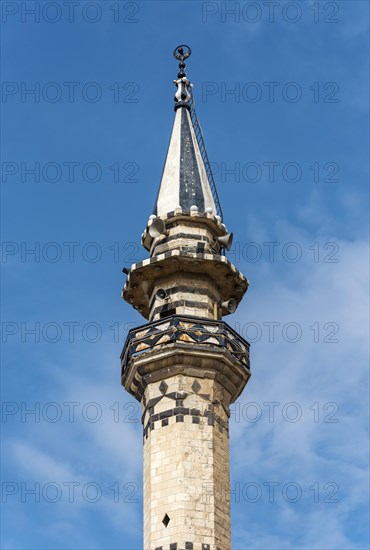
183, 93
181, 53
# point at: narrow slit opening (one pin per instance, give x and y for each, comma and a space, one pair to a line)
167, 313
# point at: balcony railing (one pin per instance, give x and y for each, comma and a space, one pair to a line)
185, 330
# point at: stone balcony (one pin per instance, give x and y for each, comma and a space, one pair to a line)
190, 345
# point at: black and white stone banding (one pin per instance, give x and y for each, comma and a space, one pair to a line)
188, 546
179, 413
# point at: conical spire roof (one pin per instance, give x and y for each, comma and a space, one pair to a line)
187, 179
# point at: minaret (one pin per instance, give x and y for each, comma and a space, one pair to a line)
185, 365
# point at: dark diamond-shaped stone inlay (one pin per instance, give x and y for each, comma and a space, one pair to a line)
166, 520
196, 386
163, 387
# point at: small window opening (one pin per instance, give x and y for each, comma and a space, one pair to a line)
167, 313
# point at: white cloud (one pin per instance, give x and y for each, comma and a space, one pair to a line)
306, 373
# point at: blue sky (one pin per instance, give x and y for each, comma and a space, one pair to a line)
290, 153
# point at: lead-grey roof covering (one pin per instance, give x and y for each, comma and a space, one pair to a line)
184, 180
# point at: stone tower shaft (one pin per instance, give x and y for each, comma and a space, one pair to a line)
186, 365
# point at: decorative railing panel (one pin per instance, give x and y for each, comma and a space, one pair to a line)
187, 330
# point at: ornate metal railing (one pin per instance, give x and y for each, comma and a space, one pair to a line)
186, 330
